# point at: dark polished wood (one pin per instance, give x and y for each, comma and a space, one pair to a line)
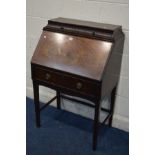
96, 124
113, 93
70, 82
79, 59
36, 102
85, 29
68, 53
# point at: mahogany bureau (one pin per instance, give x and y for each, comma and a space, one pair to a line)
79, 59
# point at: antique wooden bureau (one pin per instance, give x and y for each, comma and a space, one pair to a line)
79, 59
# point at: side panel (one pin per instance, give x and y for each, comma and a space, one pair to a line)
113, 67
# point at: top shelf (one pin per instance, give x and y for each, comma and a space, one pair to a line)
101, 31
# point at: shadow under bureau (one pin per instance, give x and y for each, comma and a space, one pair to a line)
78, 59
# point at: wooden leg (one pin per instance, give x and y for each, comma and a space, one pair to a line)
58, 100
36, 102
112, 105
96, 125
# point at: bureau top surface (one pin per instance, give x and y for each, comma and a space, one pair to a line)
72, 54
90, 24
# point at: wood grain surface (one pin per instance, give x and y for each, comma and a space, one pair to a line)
73, 54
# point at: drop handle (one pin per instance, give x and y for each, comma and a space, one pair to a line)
47, 76
79, 85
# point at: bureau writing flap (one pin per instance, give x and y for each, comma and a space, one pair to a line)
73, 54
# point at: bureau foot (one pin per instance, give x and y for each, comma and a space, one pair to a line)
96, 126
112, 105
36, 103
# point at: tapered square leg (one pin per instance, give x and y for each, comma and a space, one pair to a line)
58, 100
36, 102
96, 125
113, 93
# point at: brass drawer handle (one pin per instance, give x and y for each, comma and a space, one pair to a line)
79, 85
47, 76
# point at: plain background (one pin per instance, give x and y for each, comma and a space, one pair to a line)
107, 11
13, 77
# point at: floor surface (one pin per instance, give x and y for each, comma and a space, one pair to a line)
65, 133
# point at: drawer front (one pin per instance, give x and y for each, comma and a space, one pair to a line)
60, 80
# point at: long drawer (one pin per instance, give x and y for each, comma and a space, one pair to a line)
70, 82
